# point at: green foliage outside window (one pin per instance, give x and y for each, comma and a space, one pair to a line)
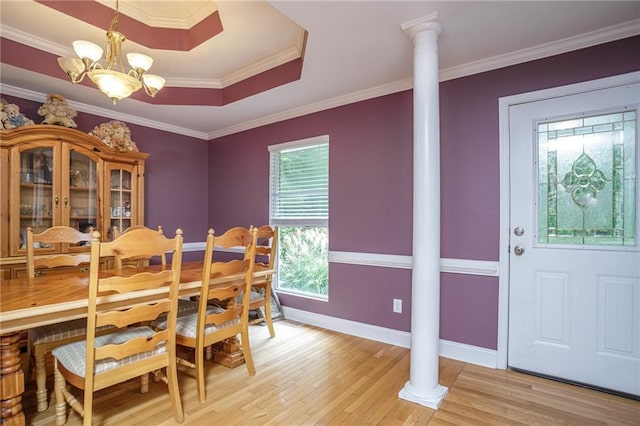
302, 265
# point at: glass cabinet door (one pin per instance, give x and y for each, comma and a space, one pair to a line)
57, 186
82, 202
36, 193
122, 198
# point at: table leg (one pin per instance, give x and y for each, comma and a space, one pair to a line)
11, 381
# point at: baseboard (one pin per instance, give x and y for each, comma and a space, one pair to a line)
458, 351
469, 353
352, 328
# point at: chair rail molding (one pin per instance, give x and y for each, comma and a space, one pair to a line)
454, 266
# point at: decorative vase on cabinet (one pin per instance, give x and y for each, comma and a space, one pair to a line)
52, 175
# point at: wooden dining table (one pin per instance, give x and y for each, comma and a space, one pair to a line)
32, 302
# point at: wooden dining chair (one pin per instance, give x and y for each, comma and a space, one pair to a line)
133, 350
121, 262
261, 288
42, 340
223, 303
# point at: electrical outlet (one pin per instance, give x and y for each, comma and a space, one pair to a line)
397, 306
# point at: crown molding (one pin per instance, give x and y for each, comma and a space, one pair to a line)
185, 22
605, 35
249, 71
374, 92
102, 112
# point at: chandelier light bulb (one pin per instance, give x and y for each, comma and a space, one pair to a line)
138, 61
87, 49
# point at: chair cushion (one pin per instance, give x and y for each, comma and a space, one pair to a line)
256, 296
73, 355
187, 305
186, 324
63, 330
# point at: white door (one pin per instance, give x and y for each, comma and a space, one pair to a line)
574, 284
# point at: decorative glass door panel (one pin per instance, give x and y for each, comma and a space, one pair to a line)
587, 180
37, 194
122, 205
81, 203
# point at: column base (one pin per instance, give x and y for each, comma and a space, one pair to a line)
432, 400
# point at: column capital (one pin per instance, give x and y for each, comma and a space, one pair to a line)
425, 23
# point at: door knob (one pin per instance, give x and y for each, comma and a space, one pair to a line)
518, 231
518, 250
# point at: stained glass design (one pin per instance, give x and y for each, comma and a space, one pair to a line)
587, 180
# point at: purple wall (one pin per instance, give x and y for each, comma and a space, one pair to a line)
370, 187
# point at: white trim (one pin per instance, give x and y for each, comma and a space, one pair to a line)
200, 246
448, 349
469, 267
299, 143
371, 259
503, 264
193, 246
557, 47
106, 113
352, 328
605, 35
454, 266
468, 353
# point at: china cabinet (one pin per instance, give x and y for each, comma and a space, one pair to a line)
53, 175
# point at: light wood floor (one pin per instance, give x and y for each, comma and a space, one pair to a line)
307, 376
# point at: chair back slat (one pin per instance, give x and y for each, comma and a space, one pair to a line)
131, 347
140, 281
141, 312
133, 262
229, 314
52, 236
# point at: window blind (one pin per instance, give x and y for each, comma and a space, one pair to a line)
300, 182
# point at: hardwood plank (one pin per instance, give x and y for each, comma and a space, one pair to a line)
310, 376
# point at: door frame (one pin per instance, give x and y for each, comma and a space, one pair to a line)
504, 103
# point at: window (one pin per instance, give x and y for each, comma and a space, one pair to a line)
299, 206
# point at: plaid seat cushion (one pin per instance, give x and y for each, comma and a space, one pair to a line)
255, 296
73, 355
187, 305
187, 323
63, 330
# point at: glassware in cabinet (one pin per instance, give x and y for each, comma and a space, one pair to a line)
122, 198
83, 205
36, 192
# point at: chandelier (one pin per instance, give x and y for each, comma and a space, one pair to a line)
113, 80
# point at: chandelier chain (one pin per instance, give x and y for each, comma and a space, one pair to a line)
115, 22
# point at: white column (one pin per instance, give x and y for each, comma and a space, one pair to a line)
423, 387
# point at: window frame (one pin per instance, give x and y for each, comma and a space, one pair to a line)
294, 222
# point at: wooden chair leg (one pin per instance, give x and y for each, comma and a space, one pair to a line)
267, 313
199, 358
246, 351
42, 395
174, 391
